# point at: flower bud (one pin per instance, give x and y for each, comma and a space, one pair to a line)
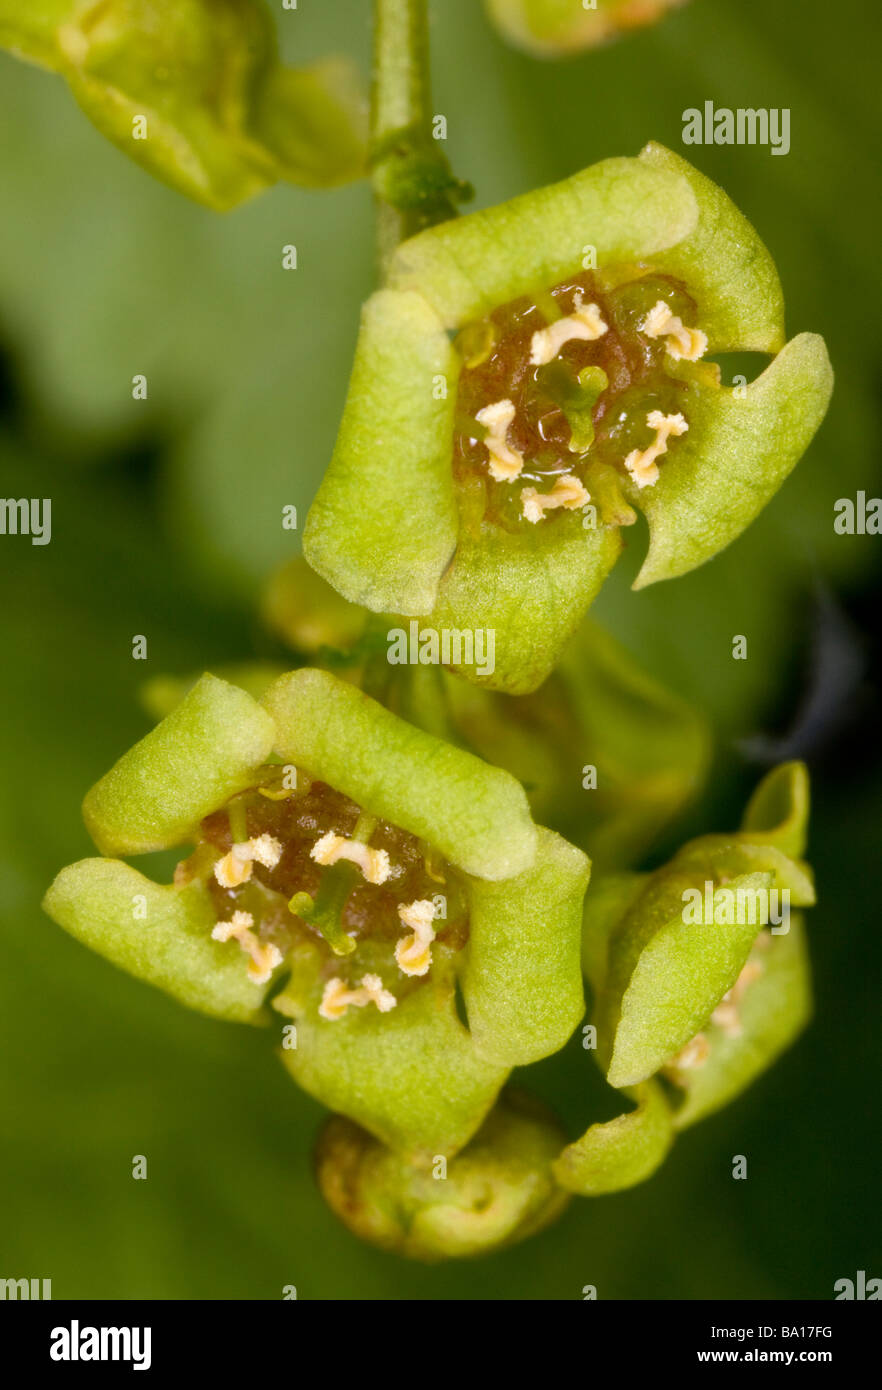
497, 1191
558, 28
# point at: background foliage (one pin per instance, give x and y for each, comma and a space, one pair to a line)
165, 521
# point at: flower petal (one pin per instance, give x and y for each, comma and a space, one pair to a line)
522, 981
725, 265
733, 460
412, 1077
622, 1152
777, 813
159, 934
383, 525
192, 762
531, 590
627, 209
667, 975
477, 816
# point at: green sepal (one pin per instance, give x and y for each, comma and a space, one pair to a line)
383, 525
169, 946
412, 1077
530, 589
199, 756
626, 209
725, 265
521, 981
666, 976
496, 1191
475, 815
735, 456
772, 1012
777, 813
622, 1152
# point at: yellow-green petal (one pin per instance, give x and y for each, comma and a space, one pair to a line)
777, 813
530, 590
383, 525
667, 975
626, 209
735, 456
159, 934
522, 981
622, 1152
412, 1077
726, 267
199, 756
475, 815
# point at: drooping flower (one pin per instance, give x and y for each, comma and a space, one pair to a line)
484, 482
355, 872
700, 976
195, 91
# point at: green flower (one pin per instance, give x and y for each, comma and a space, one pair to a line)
194, 91
555, 28
357, 872
607, 755
498, 1190
483, 481
699, 969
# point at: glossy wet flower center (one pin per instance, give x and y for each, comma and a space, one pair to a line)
565, 397
265, 858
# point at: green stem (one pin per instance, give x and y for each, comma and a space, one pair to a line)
412, 180
401, 94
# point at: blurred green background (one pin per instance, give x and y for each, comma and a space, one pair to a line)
166, 520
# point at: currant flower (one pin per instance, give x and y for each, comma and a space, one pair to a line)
195, 92
484, 479
700, 978
359, 875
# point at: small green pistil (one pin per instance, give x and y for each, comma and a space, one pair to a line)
576, 396
325, 910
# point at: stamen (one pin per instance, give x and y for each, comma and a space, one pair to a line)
414, 953
584, 323
264, 956
641, 463
337, 997
505, 462
374, 863
694, 1054
567, 492
725, 1015
235, 867
683, 343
